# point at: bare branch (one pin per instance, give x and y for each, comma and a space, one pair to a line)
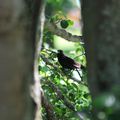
63, 33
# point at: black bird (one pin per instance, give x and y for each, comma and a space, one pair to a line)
67, 62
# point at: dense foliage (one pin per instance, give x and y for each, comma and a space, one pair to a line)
66, 92
74, 90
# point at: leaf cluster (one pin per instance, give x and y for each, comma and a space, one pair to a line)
76, 93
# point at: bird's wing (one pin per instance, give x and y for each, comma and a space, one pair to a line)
70, 61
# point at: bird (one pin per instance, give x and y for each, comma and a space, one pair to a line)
67, 62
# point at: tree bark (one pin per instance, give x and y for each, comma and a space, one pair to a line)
102, 40
18, 25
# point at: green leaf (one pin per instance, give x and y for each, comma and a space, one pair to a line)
70, 22
64, 24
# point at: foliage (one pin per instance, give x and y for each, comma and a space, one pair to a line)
76, 92
53, 6
64, 89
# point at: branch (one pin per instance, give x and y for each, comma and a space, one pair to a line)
61, 72
48, 108
65, 100
63, 33
61, 96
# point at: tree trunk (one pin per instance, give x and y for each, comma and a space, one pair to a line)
18, 23
102, 40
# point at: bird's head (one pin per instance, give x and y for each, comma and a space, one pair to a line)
60, 51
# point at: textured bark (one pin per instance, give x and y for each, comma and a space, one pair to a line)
18, 21
102, 40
